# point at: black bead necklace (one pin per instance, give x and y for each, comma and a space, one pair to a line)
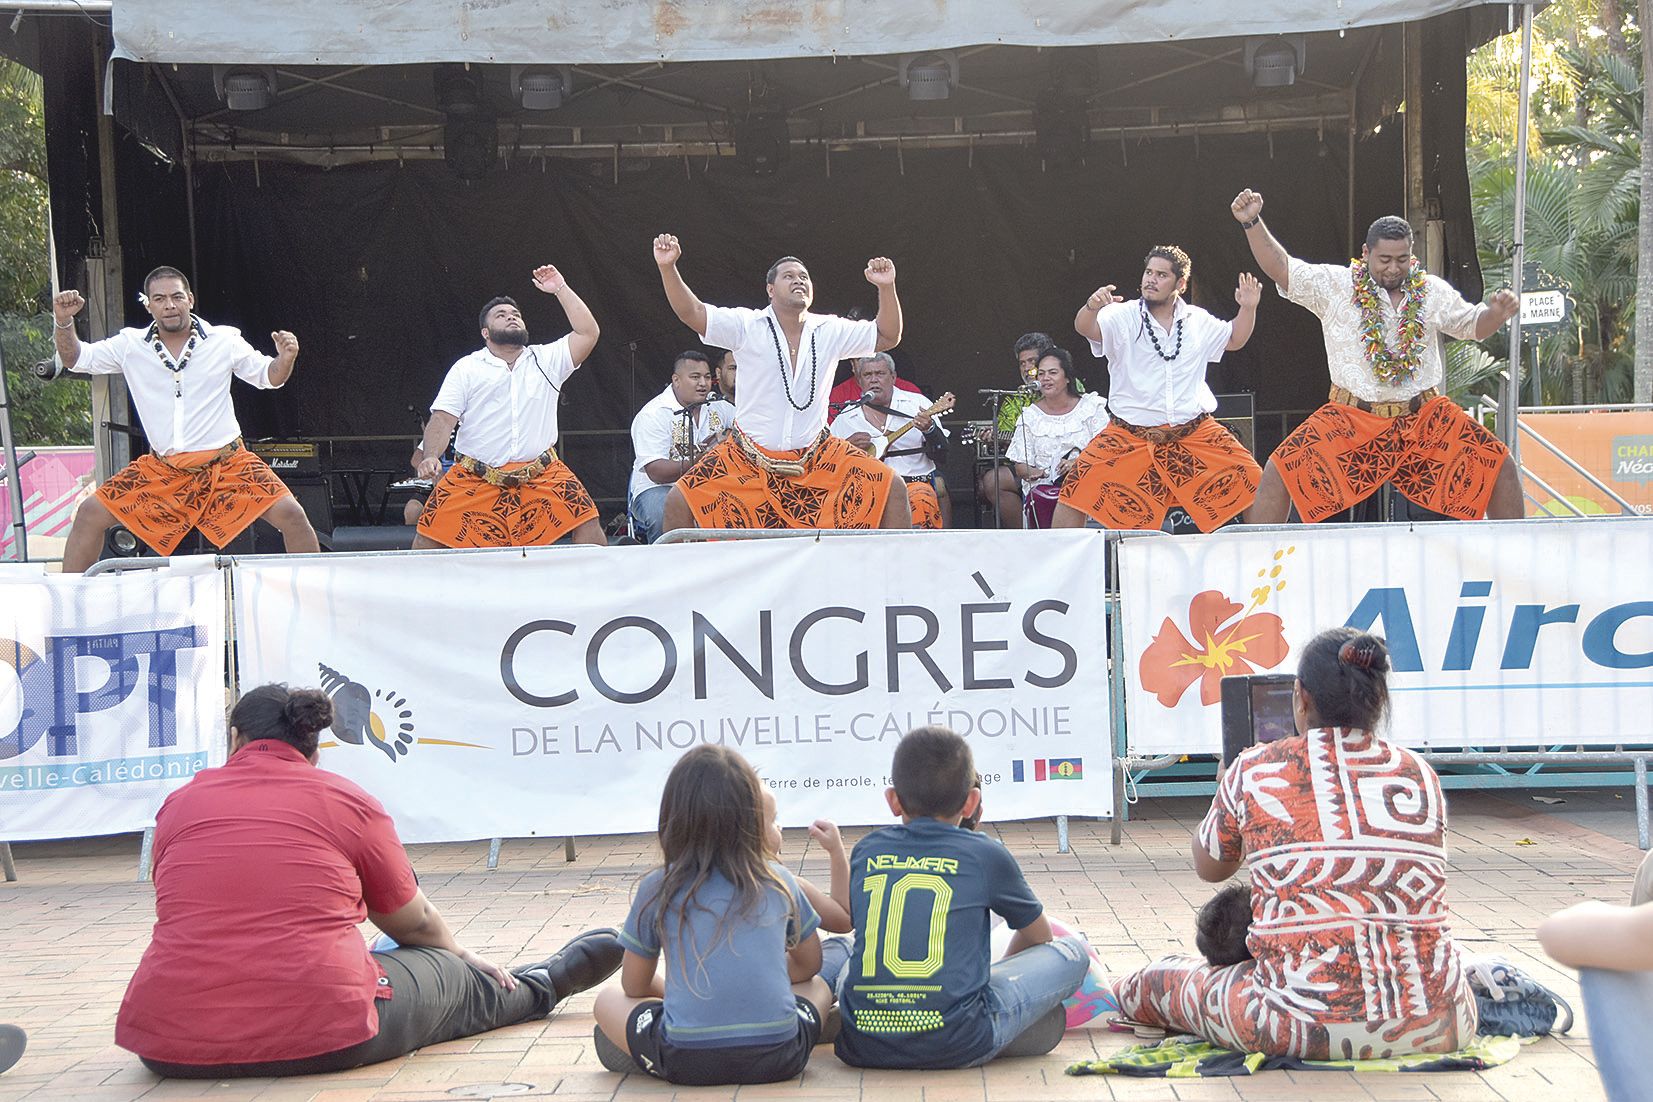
786, 374
1153, 335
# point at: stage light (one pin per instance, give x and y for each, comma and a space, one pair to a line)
762, 141
245, 88
470, 145
1061, 123
459, 90
120, 543
541, 88
1276, 61
929, 76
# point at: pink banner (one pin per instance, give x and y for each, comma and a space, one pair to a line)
54, 482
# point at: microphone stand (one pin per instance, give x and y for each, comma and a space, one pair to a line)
996, 399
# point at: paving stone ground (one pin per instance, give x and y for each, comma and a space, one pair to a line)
77, 921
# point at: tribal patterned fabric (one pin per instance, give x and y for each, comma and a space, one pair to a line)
467, 511
161, 500
843, 487
1125, 481
1344, 836
1438, 457
926, 506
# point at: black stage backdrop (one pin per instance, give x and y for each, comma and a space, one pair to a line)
381, 268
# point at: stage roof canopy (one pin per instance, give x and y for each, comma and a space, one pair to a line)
592, 32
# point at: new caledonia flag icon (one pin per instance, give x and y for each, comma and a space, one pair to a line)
1048, 769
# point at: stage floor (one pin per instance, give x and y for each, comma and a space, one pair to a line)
77, 922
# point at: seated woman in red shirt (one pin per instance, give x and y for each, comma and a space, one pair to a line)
1344, 834
264, 871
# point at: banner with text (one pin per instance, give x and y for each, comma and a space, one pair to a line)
112, 696
549, 692
1530, 633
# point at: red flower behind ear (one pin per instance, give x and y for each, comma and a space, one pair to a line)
1253, 641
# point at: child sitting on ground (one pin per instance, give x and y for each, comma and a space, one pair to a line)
741, 1002
919, 988
1221, 926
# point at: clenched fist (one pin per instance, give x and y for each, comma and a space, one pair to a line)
881, 271
667, 250
1246, 206
66, 304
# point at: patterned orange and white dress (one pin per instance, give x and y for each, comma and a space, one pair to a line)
1344, 837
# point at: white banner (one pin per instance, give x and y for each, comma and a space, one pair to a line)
549, 692
113, 696
1534, 633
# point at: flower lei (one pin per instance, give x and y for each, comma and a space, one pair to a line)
1391, 365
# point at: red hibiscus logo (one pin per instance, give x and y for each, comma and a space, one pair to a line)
1229, 639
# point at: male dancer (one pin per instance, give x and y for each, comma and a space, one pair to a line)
197, 474
780, 468
1387, 420
1161, 447
507, 487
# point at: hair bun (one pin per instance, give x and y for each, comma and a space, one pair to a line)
307, 711
1365, 652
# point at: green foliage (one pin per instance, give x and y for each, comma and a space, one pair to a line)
42, 413
1583, 187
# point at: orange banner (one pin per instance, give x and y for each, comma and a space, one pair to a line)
1615, 447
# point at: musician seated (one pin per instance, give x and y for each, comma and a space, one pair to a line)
416, 503
1051, 433
878, 424
668, 435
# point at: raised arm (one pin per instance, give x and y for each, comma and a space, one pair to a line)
438, 431
1247, 294
881, 274
281, 368
65, 306
1500, 307
1084, 322
1271, 256
689, 309
834, 908
584, 337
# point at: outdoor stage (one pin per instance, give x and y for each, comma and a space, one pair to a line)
85, 922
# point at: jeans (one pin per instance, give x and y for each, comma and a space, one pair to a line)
648, 512
1619, 1005
1020, 989
437, 997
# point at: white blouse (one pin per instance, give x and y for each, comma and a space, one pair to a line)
1042, 439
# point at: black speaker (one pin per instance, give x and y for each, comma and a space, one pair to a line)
380, 537
315, 496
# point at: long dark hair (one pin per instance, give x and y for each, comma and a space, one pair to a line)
1065, 358
711, 820
1345, 672
294, 716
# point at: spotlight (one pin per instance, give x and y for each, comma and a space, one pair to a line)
929, 76
470, 145
1274, 62
762, 141
540, 88
459, 90
1061, 123
245, 88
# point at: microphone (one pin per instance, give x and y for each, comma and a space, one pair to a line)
692, 406
851, 404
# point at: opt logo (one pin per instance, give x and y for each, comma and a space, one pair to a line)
51, 697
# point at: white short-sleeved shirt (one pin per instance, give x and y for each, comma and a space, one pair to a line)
188, 410
1143, 387
659, 431
1041, 440
762, 408
1329, 291
507, 412
906, 404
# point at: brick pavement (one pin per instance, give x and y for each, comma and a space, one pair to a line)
77, 923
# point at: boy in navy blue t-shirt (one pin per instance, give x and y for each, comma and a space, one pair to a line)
920, 988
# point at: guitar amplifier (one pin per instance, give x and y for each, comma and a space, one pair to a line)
298, 464
287, 457
1237, 413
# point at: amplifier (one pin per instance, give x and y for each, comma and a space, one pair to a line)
287, 457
